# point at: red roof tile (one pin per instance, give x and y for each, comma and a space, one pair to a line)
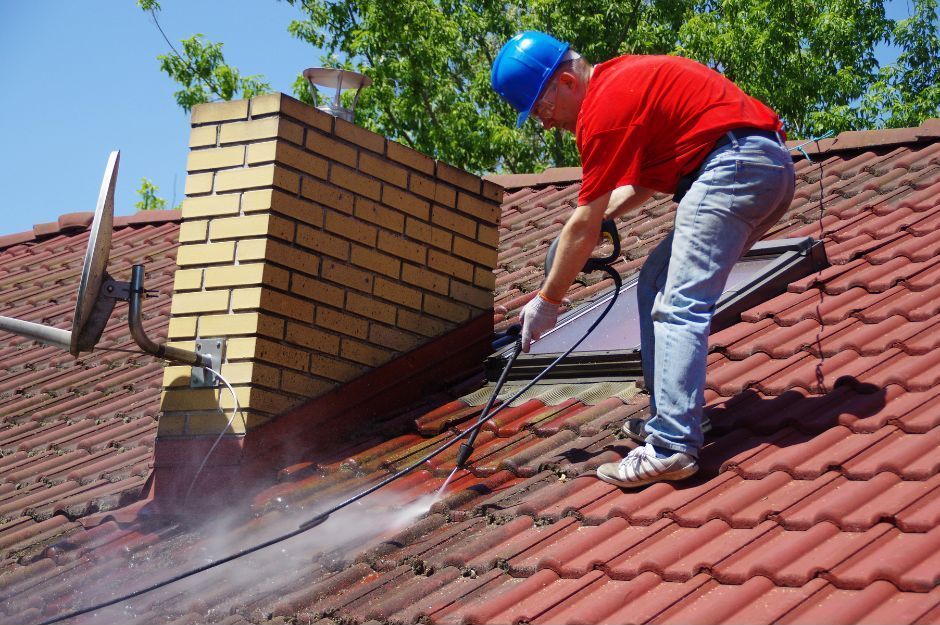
818, 497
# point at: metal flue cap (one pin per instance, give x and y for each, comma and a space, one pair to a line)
339, 80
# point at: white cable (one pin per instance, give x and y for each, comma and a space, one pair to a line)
237, 409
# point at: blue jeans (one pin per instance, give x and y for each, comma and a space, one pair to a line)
742, 189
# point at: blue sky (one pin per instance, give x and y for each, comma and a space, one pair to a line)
82, 79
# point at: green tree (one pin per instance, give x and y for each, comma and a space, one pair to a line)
148, 197
811, 60
200, 69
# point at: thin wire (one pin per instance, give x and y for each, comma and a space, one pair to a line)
323, 515
236, 410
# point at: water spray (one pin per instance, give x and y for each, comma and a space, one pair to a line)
608, 232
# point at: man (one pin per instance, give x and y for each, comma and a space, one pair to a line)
644, 124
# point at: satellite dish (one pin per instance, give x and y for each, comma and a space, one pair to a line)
91, 311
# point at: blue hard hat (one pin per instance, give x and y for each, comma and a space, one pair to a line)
522, 69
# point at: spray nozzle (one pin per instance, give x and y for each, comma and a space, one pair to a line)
464, 454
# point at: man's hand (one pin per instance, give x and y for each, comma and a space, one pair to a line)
538, 317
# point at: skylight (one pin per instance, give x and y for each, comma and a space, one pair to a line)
764, 272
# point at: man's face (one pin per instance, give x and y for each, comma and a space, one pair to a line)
558, 107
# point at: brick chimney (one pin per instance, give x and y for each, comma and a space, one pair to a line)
319, 251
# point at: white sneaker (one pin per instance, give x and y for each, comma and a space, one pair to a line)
642, 467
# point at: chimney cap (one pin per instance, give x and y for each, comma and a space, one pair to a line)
339, 80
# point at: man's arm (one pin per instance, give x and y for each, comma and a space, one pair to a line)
625, 199
577, 240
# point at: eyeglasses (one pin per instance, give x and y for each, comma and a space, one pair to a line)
544, 107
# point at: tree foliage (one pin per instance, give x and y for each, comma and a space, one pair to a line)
200, 69
148, 197
813, 61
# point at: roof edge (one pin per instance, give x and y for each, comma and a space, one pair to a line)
844, 141
73, 223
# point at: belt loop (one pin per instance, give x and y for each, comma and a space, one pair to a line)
733, 139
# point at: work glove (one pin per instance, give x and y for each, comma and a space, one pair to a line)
538, 317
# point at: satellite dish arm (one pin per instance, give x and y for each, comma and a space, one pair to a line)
37, 331
165, 352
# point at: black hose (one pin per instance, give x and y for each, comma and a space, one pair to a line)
323, 516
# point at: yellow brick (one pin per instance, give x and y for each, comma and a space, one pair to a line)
210, 206
364, 353
199, 301
280, 103
335, 369
182, 328
176, 377
383, 169
405, 202
359, 135
428, 234
216, 158
234, 324
472, 205
251, 373
251, 249
241, 348
188, 399
317, 290
286, 154
484, 278
171, 425
485, 256
304, 385
313, 338
422, 324
370, 307
205, 253
370, 211
245, 226
252, 177
271, 301
446, 309
194, 231
322, 242
453, 222
451, 174
356, 182
342, 323
327, 195
397, 293
451, 266
341, 273
211, 423
259, 129
393, 338
203, 136
402, 247
477, 297
351, 228
219, 111
333, 150
198, 183
235, 275
187, 280
411, 158
374, 261
425, 278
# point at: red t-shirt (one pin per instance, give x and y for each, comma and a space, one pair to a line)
649, 120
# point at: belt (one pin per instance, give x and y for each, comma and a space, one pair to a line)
739, 133
685, 182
